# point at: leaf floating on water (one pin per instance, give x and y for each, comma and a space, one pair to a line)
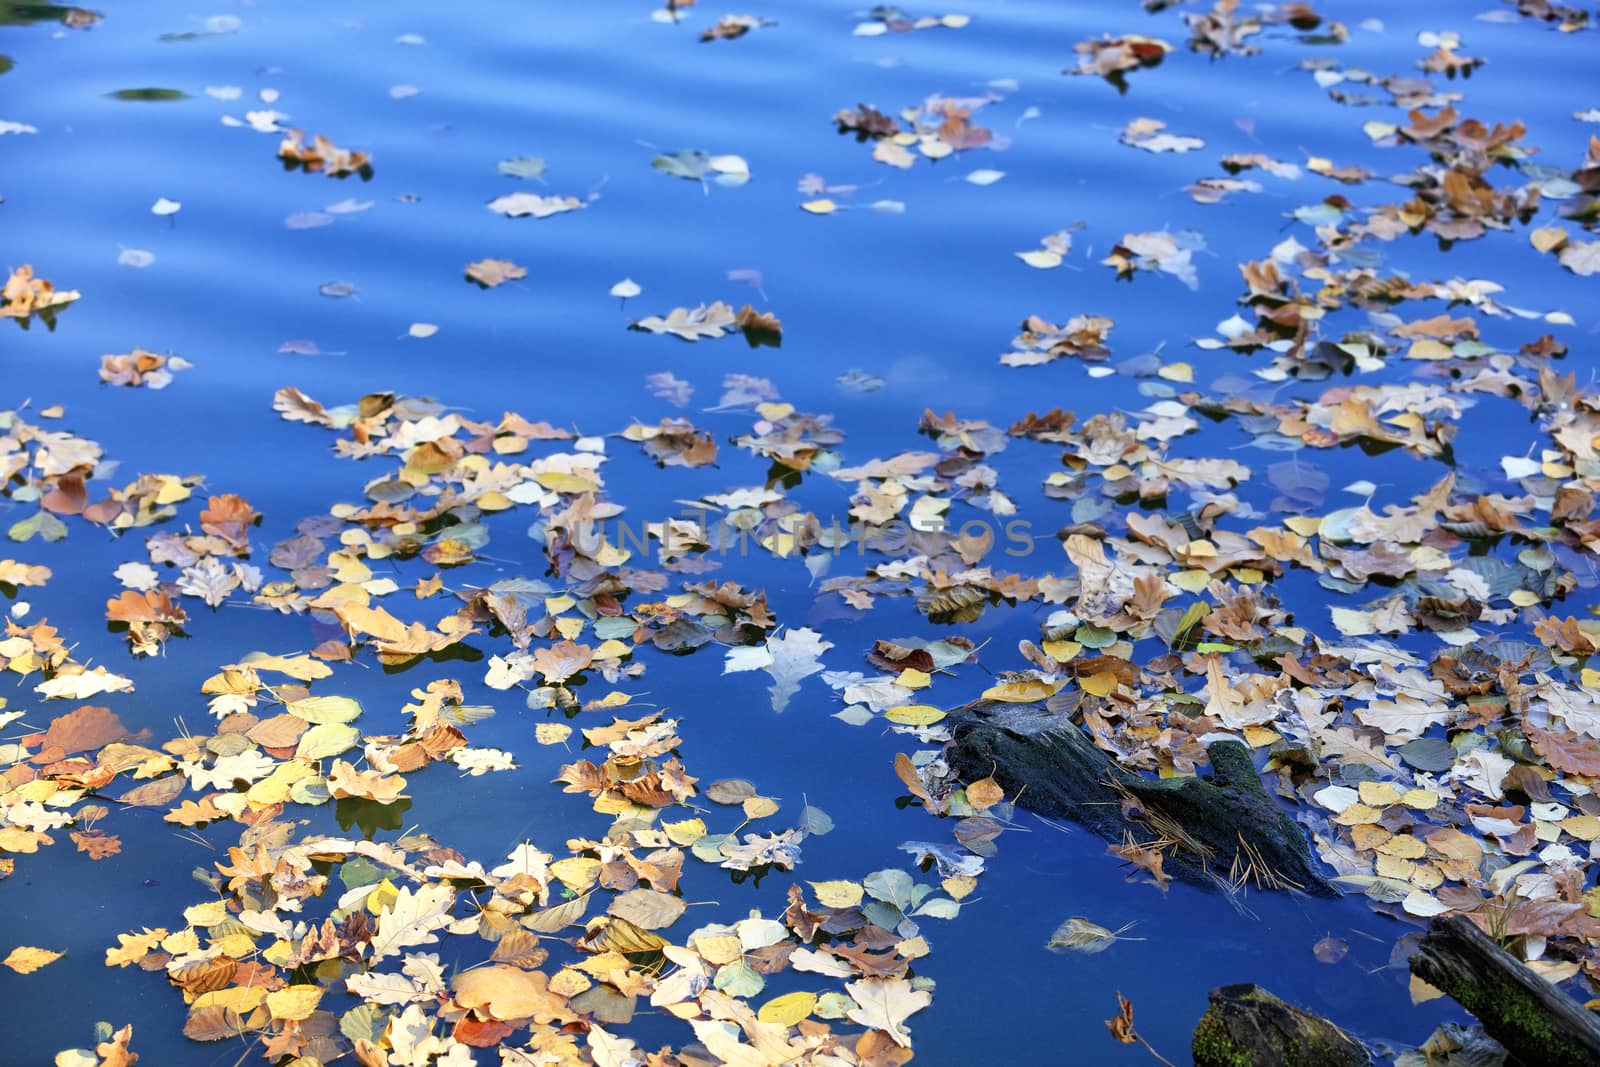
308, 220
860, 381
885, 1004
422, 329
163, 207
1078, 934
667, 386
149, 95
25, 959
517, 205
529, 168
1113, 58
985, 177
1330, 949
140, 367
337, 290
820, 207
888, 19
789, 659
626, 289
713, 321
489, 273
730, 27
1165, 252
7, 126
695, 165
322, 155
1581, 257
24, 294
1083, 337
1146, 134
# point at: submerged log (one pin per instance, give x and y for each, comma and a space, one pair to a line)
1535, 1021
1246, 1026
1226, 828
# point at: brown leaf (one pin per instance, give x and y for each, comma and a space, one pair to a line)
489, 273
83, 730
1121, 1024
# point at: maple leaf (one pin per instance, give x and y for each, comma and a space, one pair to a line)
885, 1004
789, 659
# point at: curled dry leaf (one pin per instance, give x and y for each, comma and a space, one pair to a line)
141, 367
24, 295
323, 156
489, 273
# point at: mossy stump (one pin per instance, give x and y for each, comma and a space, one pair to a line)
1536, 1022
1246, 1026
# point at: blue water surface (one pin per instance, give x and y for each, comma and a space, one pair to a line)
926, 299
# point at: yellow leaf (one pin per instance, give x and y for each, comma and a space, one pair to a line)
134, 947
296, 1002
25, 960
787, 1009
242, 999
911, 678
1260, 736
820, 207
576, 872
838, 894
985, 794
759, 807
1098, 684
564, 483
959, 886
382, 896
1304, 525
774, 412
1062, 651
685, 833
1023, 692
1548, 238
914, 714
551, 733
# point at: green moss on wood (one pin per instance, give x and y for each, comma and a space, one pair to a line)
1212, 1047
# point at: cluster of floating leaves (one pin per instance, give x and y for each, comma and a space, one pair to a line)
1439, 766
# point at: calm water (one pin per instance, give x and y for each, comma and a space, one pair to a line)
924, 299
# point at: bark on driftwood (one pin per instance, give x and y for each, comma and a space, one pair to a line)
1535, 1021
1246, 1026
1054, 768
